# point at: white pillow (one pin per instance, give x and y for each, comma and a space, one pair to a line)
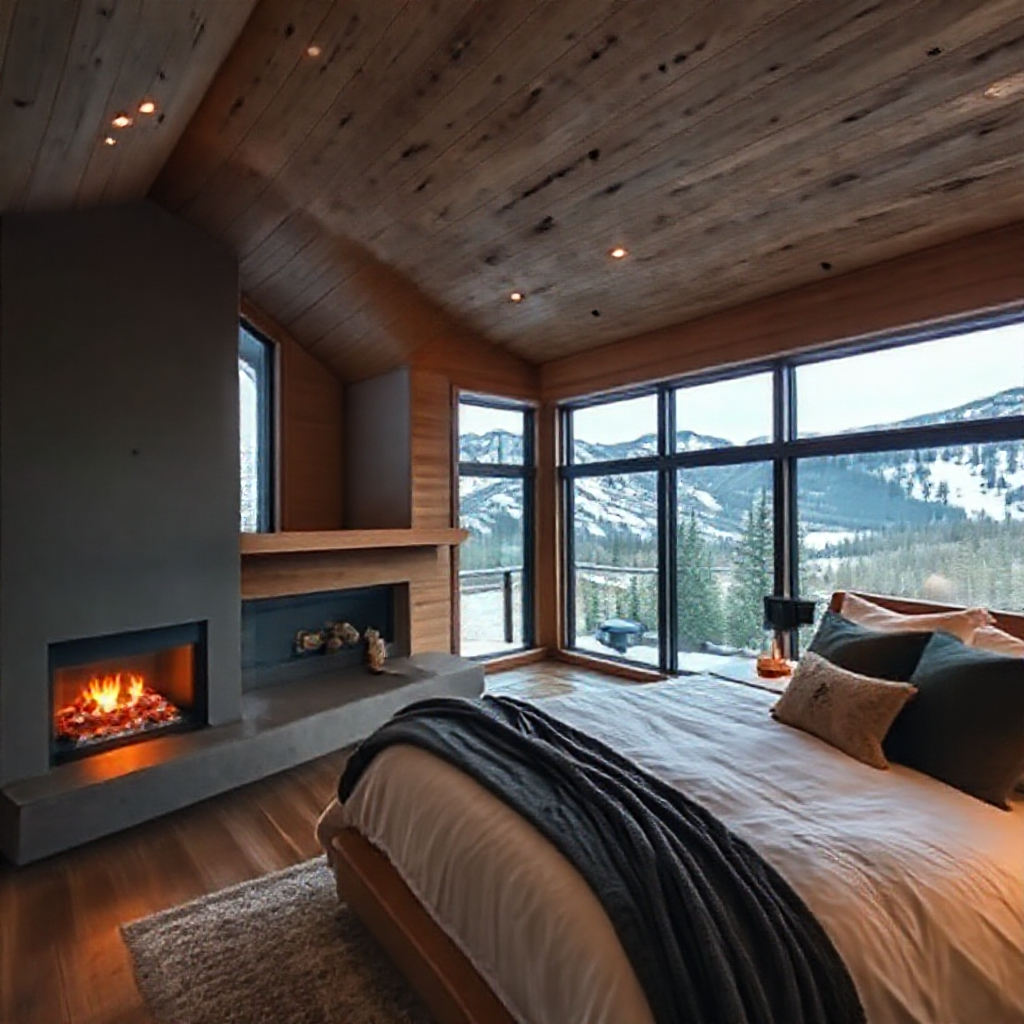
991, 638
962, 624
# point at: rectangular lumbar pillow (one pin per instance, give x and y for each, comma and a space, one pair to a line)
966, 725
850, 711
868, 652
961, 622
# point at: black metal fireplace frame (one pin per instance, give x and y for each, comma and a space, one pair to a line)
86, 650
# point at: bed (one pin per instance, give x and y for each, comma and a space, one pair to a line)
919, 886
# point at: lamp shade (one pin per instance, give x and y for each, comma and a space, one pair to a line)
782, 613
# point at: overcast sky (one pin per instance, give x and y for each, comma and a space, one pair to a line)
841, 394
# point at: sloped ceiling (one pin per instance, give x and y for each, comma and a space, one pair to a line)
67, 69
390, 172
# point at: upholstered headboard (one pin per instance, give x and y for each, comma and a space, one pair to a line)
1009, 622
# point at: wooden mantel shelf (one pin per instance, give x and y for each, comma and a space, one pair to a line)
347, 540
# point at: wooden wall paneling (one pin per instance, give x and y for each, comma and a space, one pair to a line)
282, 575
310, 434
975, 274
548, 552
431, 432
430, 602
473, 364
312, 426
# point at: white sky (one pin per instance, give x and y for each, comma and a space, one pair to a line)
841, 394
248, 418
477, 419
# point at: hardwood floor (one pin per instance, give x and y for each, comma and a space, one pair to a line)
62, 960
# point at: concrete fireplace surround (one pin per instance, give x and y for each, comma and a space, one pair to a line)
119, 511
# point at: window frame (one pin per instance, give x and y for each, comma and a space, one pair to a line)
784, 451
266, 395
527, 473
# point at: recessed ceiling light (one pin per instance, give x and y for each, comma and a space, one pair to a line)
147, 107
618, 253
1006, 87
516, 297
110, 141
314, 50
121, 121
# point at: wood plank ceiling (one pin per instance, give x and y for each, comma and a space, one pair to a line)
390, 171
67, 69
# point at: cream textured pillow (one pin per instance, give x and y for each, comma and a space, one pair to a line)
991, 638
961, 624
850, 711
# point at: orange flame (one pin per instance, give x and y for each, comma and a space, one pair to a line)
110, 692
113, 705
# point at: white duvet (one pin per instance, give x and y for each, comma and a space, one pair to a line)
920, 887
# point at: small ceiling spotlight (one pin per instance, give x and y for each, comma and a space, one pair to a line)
110, 141
516, 297
121, 121
147, 107
618, 253
314, 50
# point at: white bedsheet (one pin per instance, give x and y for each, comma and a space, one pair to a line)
920, 887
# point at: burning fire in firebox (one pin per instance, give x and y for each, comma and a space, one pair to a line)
113, 706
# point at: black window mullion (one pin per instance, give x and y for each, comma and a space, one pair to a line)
529, 527
668, 607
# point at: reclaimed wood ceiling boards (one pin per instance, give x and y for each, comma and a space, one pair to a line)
390, 171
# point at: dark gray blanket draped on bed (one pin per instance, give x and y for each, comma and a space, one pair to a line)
714, 933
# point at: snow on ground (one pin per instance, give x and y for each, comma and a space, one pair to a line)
967, 489
642, 655
482, 622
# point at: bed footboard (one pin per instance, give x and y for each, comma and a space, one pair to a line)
434, 966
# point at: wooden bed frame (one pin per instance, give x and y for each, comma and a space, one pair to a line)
446, 981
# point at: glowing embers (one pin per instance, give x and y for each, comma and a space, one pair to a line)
113, 707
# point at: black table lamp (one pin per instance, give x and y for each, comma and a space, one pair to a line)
782, 615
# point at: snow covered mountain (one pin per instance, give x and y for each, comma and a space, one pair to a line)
839, 496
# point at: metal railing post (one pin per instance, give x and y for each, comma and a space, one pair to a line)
506, 587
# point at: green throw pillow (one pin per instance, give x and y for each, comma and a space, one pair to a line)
965, 727
868, 652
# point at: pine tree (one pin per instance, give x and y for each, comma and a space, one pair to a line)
700, 615
753, 575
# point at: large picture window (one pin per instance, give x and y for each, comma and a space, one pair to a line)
895, 467
496, 505
255, 433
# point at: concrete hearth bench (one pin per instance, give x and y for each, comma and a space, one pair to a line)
281, 726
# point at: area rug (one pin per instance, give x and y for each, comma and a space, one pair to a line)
277, 950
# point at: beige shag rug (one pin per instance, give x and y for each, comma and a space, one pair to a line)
277, 950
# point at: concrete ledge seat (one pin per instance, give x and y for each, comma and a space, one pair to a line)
281, 726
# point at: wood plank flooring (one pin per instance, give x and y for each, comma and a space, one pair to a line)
62, 960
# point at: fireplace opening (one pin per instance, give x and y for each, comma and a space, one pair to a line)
113, 690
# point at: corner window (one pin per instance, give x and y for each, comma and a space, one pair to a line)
894, 465
255, 433
496, 506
